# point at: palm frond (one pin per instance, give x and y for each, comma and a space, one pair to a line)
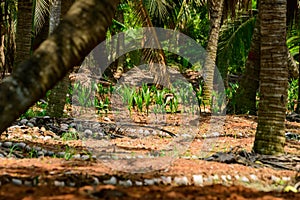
292, 9
158, 8
234, 44
42, 8
293, 44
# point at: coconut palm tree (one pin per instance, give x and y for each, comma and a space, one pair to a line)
249, 84
270, 134
246, 94
215, 11
24, 30
83, 27
154, 56
57, 98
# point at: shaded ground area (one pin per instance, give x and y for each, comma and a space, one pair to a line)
141, 192
188, 177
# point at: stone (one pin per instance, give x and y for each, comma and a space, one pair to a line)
106, 119
181, 180
244, 179
23, 121
7, 144
40, 153
111, 181
47, 137
20, 145
229, 177
49, 153
138, 183
146, 132
31, 125
149, 182
28, 148
96, 181
16, 181
28, 183
76, 156
198, 180
224, 178
64, 127
73, 125
166, 180
47, 117
37, 148
32, 121
253, 177
215, 134
275, 179
286, 179
61, 154
126, 183
72, 184
216, 177
59, 183
88, 133
85, 157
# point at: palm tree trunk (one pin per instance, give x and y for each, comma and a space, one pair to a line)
115, 70
215, 10
24, 29
2, 35
82, 29
270, 133
9, 40
2, 56
57, 98
246, 94
155, 57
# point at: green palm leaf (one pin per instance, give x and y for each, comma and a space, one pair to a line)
41, 9
234, 44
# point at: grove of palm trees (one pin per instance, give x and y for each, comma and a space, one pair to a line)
152, 99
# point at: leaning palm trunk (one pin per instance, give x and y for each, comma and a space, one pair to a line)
82, 29
24, 29
155, 57
246, 94
57, 98
270, 134
216, 10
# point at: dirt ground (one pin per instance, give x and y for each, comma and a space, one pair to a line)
186, 177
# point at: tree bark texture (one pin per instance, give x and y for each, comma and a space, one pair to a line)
270, 133
215, 10
57, 98
155, 57
83, 27
246, 94
24, 31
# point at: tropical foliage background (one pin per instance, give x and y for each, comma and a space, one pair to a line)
230, 31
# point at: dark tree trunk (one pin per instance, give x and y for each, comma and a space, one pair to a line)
57, 98
24, 31
246, 94
82, 29
155, 57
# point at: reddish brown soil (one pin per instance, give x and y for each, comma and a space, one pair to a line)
239, 130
